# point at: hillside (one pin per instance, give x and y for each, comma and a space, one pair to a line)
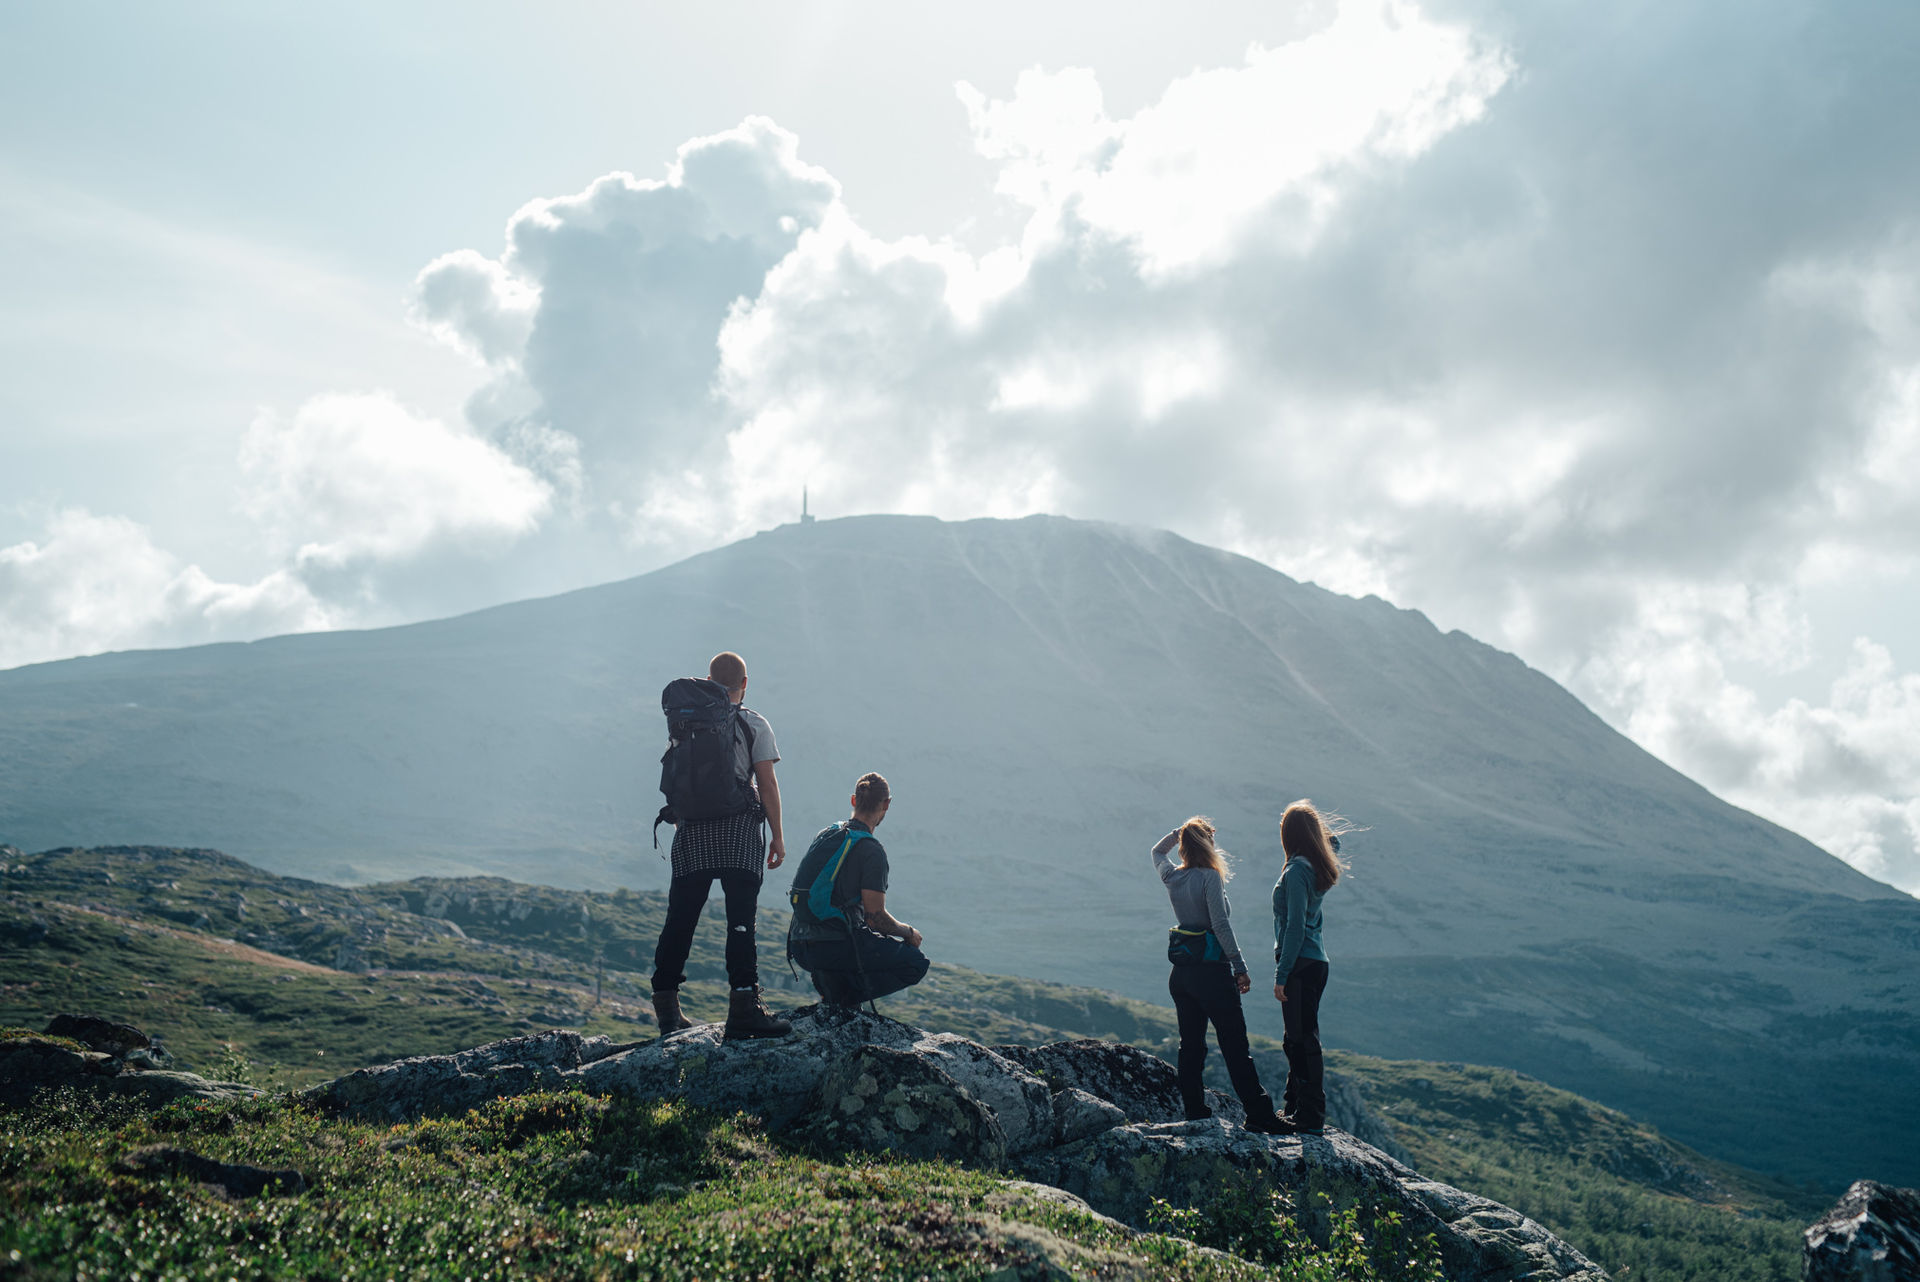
237, 969
1047, 697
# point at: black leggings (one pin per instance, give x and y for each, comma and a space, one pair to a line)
686, 897
1203, 994
1306, 1093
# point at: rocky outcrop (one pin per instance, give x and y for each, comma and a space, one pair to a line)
1098, 1120
449, 1085
98, 1056
1871, 1235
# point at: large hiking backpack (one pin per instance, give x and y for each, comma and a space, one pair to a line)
700, 773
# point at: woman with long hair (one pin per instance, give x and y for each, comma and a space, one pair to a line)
1209, 974
1300, 960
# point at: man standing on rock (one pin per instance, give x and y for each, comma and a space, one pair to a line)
718, 768
842, 931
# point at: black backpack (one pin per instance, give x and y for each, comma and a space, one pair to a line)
700, 773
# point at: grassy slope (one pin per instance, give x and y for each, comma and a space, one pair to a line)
136, 935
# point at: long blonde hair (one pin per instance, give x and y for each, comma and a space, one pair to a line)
1197, 849
1306, 834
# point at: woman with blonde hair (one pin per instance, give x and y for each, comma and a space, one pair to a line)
1208, 973
1300, 961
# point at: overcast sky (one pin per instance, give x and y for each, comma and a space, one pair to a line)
1592, 330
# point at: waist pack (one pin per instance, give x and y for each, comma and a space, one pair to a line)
1193, 947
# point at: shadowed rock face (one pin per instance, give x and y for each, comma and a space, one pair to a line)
117, 1062
1871, 1235
159, 1161
1095, 1119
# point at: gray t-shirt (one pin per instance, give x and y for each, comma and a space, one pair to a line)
764, 748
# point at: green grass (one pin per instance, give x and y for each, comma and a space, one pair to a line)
566, 1185
1635, 1202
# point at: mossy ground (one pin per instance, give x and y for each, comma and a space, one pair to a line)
566, 1185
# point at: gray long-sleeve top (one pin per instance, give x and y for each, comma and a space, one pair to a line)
1199, 899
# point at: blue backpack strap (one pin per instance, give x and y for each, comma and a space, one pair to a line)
820, 894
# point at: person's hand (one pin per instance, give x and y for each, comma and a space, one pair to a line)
777, 852
913, 937
1244, 982
1280, 992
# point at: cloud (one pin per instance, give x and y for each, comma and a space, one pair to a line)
96, 583
355, 479
1264, 150
601, 314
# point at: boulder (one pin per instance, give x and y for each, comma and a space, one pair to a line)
1143, 1086
449, 1085
160, 1161
1121, 1171
1871, 1235
31, 1066
884, 1100
779, 1078
98, 1034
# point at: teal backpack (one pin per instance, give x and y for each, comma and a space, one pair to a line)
818, 897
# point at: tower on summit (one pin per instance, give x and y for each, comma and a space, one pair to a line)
806, 518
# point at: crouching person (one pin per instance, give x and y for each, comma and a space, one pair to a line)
842, 932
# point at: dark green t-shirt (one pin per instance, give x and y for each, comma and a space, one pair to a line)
864, 868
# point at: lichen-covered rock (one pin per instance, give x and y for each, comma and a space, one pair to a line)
1120, 1171
898, 1101
1142, 1086
448, 1085
1871, 1235
779, 1078
1077, 1114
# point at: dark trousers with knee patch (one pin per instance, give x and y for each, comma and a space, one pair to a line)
1306, 1096
686, 897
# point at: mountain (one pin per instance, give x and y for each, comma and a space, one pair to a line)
1047, 697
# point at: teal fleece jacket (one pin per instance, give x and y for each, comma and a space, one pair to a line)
1296, 919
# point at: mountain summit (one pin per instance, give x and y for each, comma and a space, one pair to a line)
1048, 697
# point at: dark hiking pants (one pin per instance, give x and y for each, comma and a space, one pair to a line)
1207, 994
686, 897
883, 965
1306, 1095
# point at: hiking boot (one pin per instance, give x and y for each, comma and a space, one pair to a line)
747, 1017
1198, 1116
1270, 1123
666, 1012
1295, 1126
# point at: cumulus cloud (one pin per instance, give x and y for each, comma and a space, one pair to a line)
600, 316
352, 479
95, 583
